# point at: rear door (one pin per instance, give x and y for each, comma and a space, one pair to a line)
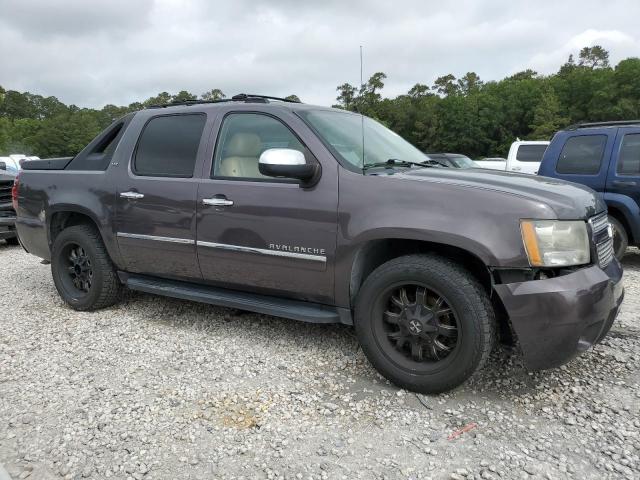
156, 197
584, 158
624, 172
526, 157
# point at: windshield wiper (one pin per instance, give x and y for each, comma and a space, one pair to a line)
431, 161
394, 162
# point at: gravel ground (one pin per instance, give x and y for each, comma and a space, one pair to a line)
156, 388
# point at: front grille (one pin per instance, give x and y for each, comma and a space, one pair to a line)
5, 191
602, 239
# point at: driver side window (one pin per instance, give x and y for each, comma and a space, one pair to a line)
242, 139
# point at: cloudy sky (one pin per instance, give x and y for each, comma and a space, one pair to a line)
94, 52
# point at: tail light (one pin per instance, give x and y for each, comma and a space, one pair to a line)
14, 193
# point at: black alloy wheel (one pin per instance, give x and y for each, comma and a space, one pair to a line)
79, 268
420, 323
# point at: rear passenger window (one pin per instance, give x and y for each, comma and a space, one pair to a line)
582, 155
168, 146
530, 153
629, 159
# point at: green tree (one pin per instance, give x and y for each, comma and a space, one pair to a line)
594, 57
293, 98
161, 99
469, 83
346, 96
446, 85
547, 118
419, 90
183, 96
213, 94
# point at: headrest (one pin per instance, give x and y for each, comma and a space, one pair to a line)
244, 145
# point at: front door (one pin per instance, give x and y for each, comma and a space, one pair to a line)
264, 234
156, 198
624, 174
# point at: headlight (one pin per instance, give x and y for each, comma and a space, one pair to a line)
555, 243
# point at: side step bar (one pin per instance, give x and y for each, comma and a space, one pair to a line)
268, 305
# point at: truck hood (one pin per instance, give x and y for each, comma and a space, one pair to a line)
568, 200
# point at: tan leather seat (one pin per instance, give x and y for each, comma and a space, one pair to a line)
241, 156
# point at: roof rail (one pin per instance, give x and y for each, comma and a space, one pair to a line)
241, 97
188, 102
615, 123
251, 97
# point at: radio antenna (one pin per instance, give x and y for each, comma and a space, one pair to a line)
360, 107
361, 82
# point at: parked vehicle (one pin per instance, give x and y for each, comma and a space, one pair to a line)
524, 157
322, 215
604, 156
492, 159
7, 213
12, 162
452, 160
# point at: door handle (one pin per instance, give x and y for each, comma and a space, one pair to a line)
516, 169
132, 195
217, 201
624, 183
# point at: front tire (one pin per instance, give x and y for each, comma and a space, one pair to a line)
82, 271
620, 238
424, 322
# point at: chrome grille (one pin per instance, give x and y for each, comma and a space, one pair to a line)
602, 238
5, 191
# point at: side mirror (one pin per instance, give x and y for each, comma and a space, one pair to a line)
3, 165
286, 163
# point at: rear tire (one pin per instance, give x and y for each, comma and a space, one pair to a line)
12, 241
443, 303
620, 238
82, 271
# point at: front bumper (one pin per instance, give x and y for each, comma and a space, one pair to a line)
558, 318
7, 227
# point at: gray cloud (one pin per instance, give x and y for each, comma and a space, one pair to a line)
116, 51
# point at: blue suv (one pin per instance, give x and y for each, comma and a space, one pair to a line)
606, 157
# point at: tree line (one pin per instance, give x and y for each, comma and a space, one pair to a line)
462, 115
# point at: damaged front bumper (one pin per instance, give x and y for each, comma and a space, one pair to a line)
557, 318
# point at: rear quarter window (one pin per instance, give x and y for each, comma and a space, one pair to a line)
168, 146
530, 153
582, 155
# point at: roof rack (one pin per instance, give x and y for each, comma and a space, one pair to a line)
615, 123
241, 97
251, 97
189, 102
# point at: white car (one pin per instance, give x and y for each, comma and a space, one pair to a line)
12, 162
524, 157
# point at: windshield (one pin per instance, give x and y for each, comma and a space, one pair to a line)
462, 161
344, 133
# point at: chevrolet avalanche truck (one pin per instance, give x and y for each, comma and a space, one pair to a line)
322, 215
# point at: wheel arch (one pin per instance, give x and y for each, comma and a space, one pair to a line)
373, 253
627, 212
619, 215
64, 216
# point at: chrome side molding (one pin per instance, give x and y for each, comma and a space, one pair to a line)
263, 251
138, 236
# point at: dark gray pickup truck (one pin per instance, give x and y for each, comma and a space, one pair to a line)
321, 215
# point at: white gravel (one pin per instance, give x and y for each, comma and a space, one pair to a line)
157, 388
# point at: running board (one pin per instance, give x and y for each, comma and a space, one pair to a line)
268, 305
